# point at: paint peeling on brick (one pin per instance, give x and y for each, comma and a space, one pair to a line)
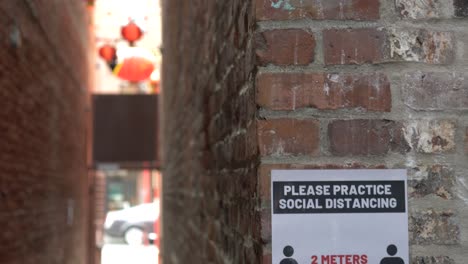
283, 4
432, 260
435, 90
317, 9
421, 45
421, 9
433, 227
435, 180
430, 136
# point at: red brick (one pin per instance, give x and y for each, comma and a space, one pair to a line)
211, 134
371, 45
267, 258
280, 137
365, 137
290, 91
285, 47
43, 119
266, 224
354, 46
316, 9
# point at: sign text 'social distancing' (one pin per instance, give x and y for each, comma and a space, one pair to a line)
339, 217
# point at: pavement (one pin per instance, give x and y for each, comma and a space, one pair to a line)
125, 254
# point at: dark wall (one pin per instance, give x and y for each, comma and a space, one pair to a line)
43, 89
124, 128
209, 137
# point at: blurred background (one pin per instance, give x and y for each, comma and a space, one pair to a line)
127, 67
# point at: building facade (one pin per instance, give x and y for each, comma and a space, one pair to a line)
251, 86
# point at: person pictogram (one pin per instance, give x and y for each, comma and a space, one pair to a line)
392, 250
288, 251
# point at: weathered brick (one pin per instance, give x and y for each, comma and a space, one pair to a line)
283, 137
317, 9
432, 260
431, 180
461, 8
285, 47
353, 46
365, 137
433, 227
371, 45
424, 9
267, 258
266, 225
430, 136
290, 91
421, 45
466, 140
435, 90
211, 140
44, 187
293, 88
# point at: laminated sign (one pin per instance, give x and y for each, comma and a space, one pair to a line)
339, 217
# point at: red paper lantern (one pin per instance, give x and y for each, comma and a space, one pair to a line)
107, 52
134, 69
131, 32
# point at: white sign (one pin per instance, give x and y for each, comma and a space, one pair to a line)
339, 217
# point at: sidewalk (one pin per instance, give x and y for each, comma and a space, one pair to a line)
125, 254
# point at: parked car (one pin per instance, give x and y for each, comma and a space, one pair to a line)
133, 224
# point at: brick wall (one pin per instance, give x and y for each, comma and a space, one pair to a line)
370, 84
43, 88
209, 133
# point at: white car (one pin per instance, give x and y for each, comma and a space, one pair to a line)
133, 224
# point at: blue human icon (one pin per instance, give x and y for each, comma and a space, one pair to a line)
392, 250
288, 251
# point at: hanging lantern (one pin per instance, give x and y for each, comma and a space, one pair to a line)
107, 52
131, 32
134, 69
